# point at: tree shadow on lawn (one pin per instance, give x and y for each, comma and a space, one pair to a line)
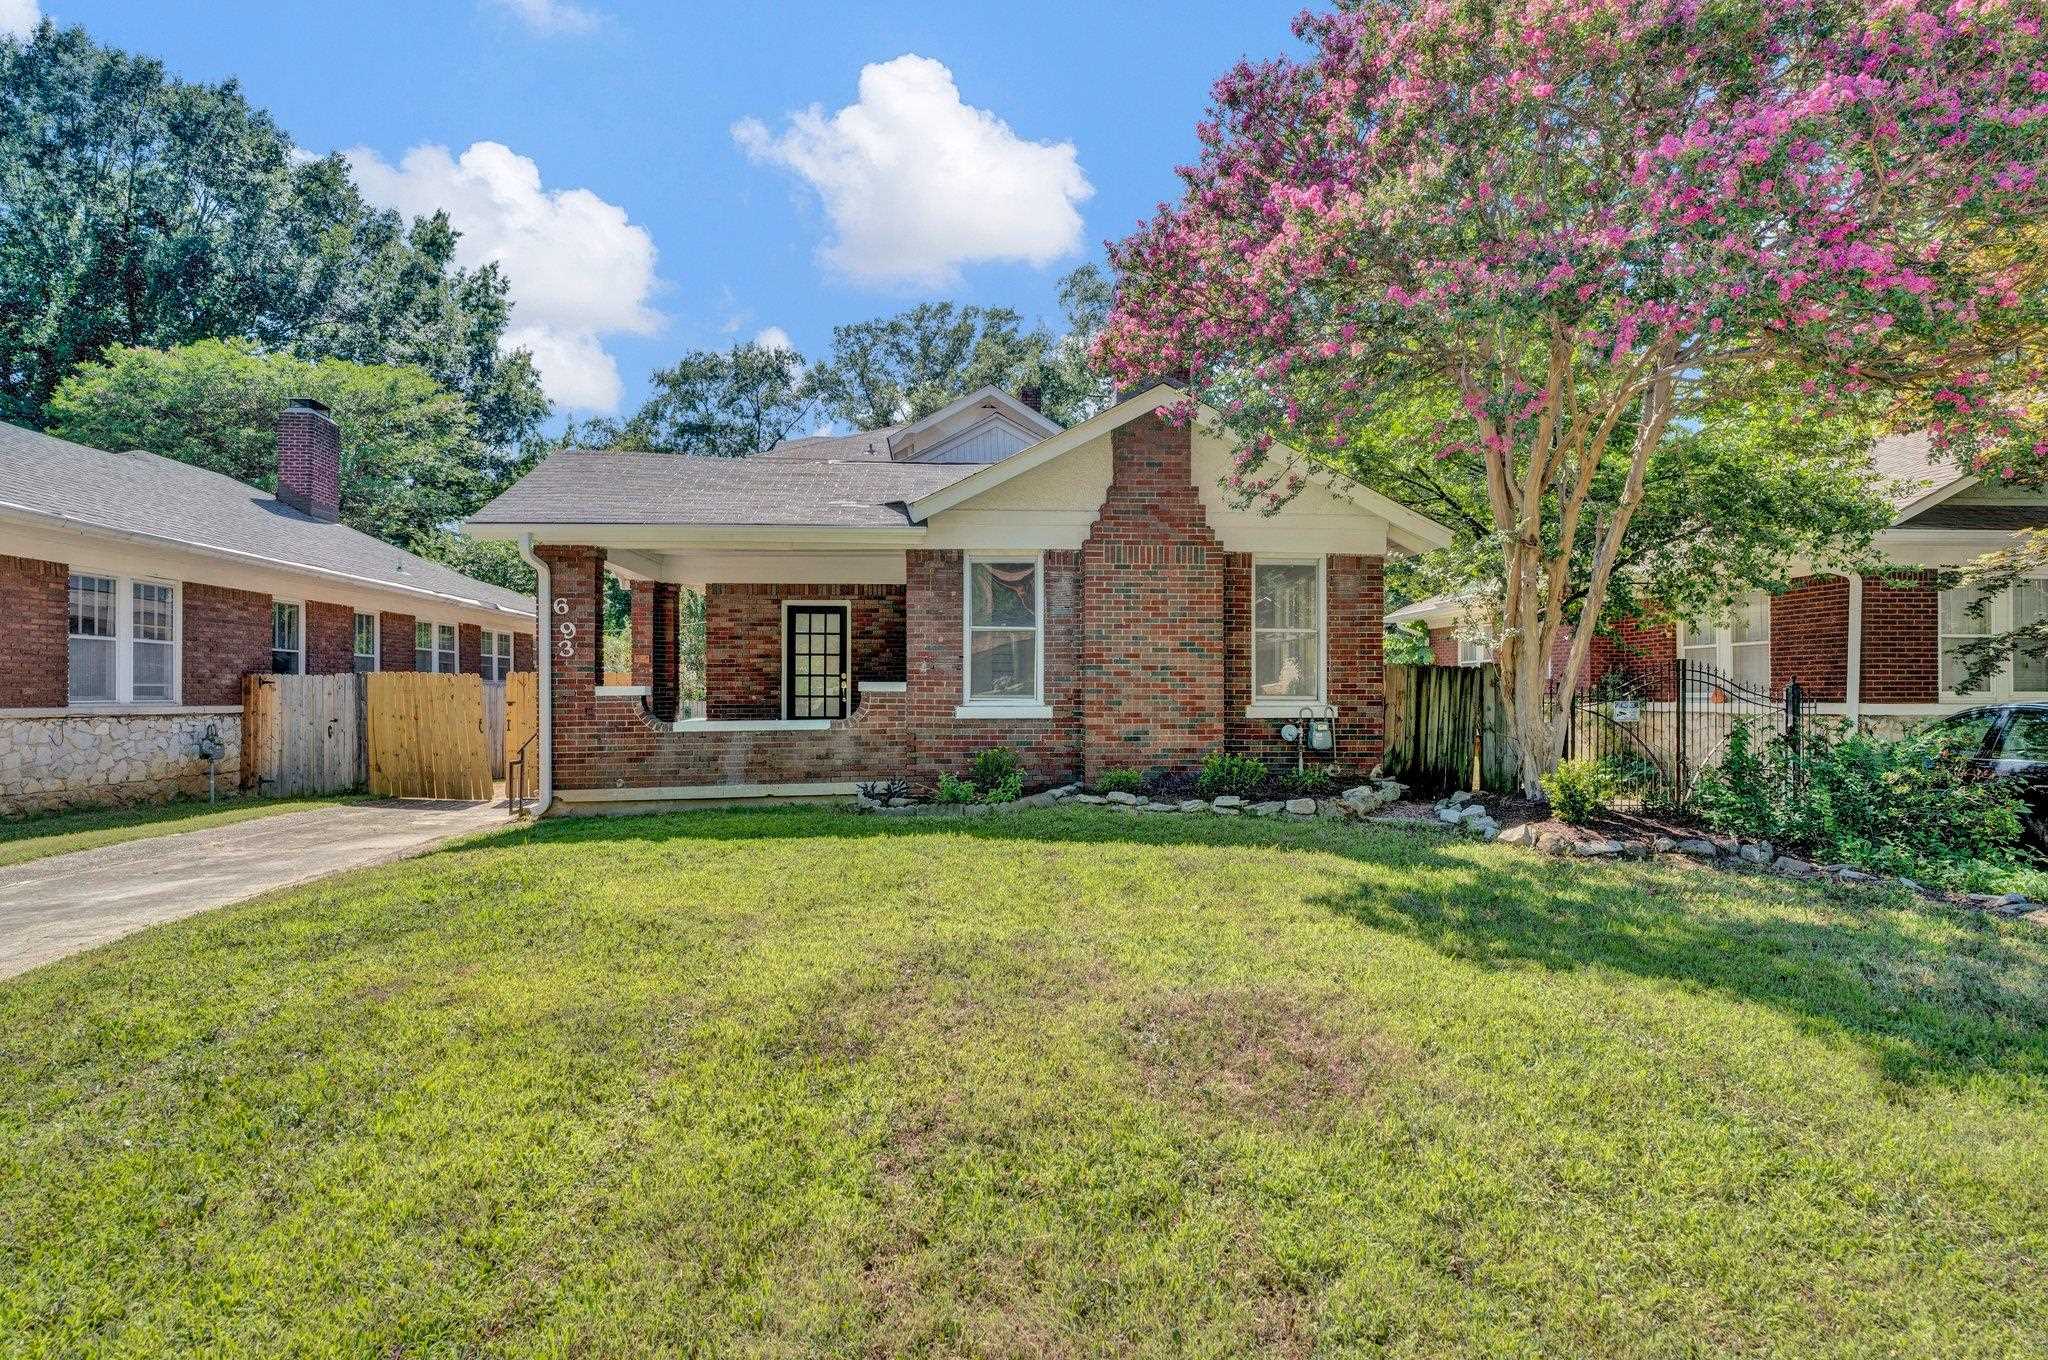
1933, 992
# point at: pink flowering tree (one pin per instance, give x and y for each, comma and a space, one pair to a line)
1533, 247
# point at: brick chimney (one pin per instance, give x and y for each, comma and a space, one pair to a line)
309, 459
1031, 394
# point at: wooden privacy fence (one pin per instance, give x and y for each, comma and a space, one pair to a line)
1447, 728
426, 736
494, 725
302, 734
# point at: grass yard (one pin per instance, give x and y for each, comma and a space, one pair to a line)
1061, 1083
62, 833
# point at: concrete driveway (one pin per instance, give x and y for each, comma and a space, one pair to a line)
60, 905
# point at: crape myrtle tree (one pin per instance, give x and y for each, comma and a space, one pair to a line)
1531, 248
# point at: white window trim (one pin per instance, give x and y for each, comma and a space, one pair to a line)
433, 653
1288, 705
300, 650
782, 656
1009, 706
454, 654
1482, 653
124, 642
376, 638
1998, 686
1724, 643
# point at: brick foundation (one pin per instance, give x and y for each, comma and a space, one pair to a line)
35, 665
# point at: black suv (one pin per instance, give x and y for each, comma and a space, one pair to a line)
2007, 742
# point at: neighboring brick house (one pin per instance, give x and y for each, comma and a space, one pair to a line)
140, 590
887, 604
1872, 647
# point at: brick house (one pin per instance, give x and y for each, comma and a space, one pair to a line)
889, 603
141, 590
1877, 649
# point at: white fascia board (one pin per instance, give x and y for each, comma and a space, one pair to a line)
1927, 500
391, 592
672, 537
1018, 411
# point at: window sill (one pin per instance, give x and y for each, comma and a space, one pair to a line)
882, 686
1001, 712
147, 709
1270, 709
624, 691
752, 724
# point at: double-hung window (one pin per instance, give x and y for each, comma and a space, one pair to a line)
423, 646
497, 656
286, 639
2018, 673
1473, 653
1739, 650
123, 644
1287, 631
444, 649
1005, 631
365, 643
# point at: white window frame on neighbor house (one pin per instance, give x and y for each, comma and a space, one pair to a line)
1999, 617
298, 649
496, 654
1003, 706
123, 641
1473, 653
1719, 641
1290, 705
417, 625
357, 654
449, 634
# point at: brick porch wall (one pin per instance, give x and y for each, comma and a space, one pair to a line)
227, 636
35, 665
1810, 638
743, 642
1152, 617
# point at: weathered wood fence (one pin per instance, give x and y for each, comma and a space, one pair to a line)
1447, 728
494, 726
302, 734
426, 736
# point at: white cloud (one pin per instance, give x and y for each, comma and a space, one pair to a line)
547, 16
18, 18
774, 337
917, 183
579, 270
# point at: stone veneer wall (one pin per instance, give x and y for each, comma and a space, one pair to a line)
94, 760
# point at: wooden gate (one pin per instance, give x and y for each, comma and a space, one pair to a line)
494, 725
521, 736
1447, 728
302, 734
426, 736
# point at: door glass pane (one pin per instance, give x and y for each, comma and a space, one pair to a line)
1003, 665
1284, 596
1003, 594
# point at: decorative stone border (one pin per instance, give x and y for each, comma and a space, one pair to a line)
1361, 801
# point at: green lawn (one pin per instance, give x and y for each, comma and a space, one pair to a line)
1061, 1083
61, 833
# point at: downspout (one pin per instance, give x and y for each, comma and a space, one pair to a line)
544, 662
1854, 690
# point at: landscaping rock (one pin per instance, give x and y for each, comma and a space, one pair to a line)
1791, 865
1088, 798
1848, 875
1161, 807
899, 802
1755, 852
1551, 843
1595, 849
1227, 802
1459, 799
1473, 812
1194, 805
1302, 807
1525, 834
1222, 811
1448, 815
1265, 809
1662, 845
1123, 799
2037, 918
1698, 848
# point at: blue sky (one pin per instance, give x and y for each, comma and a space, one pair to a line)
603, 148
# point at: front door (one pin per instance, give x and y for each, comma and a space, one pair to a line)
815, 679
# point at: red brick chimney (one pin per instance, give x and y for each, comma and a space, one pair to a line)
309, 459
1031, 394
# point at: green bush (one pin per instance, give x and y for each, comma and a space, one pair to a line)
952, 790
1008, 789
1906, 806
1120, 781
1579, 790
1223, 773
1310, 781
991, 767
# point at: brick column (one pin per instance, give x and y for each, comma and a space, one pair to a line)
664, 646
574, 637
641, 621
1152, 647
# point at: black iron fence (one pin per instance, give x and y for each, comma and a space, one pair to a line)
1658, 726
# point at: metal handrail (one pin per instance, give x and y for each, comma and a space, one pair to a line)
516, 770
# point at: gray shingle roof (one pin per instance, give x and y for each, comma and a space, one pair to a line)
1949, 515
161, 498
1911, 459
866, 446
582, 487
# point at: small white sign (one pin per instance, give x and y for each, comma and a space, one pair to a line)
1625, 711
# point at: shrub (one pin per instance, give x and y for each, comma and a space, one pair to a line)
1120, 781
952, 790
1008, 789
1223, 773
1906, 806
1579, 790
1310, 781
882, 790
991, 767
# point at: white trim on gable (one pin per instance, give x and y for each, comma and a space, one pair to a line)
991, 427
1020, 414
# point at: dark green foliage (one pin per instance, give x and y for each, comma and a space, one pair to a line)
720, 404
956, 790
1224, 773
1310, 781
1908, 806
993, 766
1579, 790
1121, 781
1008, 789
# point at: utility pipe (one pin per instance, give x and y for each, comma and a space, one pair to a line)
1854, 691
544, 662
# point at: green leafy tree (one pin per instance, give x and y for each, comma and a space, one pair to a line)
717, 404
412, 461
137, 209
